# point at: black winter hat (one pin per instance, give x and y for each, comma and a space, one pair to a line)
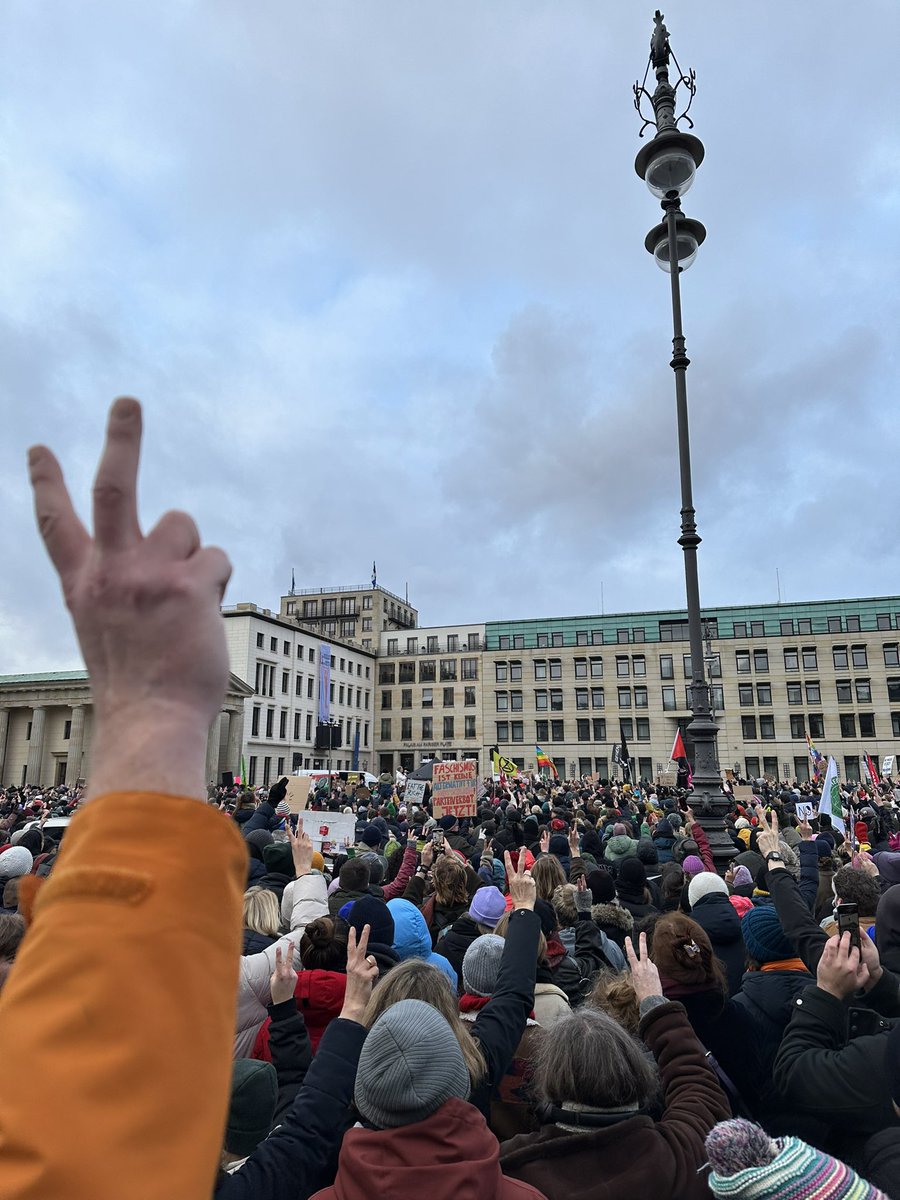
254, 1091
278, 859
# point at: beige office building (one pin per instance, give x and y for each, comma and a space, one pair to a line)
358, 614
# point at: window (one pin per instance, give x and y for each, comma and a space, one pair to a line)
282, 724
848, 725
787, 628
740, 629
834, 624
273, 645
757, 629
468, 696
666, 666
794, 693
407, 672
543, 641
804, 625
556, 668
851, 768
448, 727
763, 693
844, 691
309, 688
341, 695
791, 660
556, 639
687, 666
367, 601
626, 728
640, 697
714, 666
866, 725
515, 701
309, 718
642, 729
448, 697
519, 641
581, 637
469, 668
432, 644
883, 621
581, 668
839, 656
406, 698
624, 697
742, 662
427, 728
254, 721
745, 694
541, 699
813, 692
638, 665
472, 641
863, 690
622, 635
860, 658
596, 668
584, 767
542, 731
557, 731
761, 661
367, 624
469, 727
891, 654
717, 697
259, 641
748, 728
385, 729
583, 730
515, 671
448, 669
270, 722
386, 673
296, 727
312, 654
517, 730
895, 724
502, 701
598, 698
599, 728
556, 700
893, 689
540, 668
427, 697
406, 729
810, 659
639, 634
452, 642
501, 672
623, 666
853, 624
668, 699
387, 699
329, 608
751, 768
674, 631
298, 688
767, 728
581, 698
427, 671
816, 725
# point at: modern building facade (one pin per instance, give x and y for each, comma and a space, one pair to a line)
358, 614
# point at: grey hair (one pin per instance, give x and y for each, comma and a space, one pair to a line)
591, 1060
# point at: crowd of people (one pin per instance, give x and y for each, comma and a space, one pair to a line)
567, 993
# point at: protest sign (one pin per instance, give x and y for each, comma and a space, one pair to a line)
297, 794
453, 788
804, 810
888, 765
415, 791
331, 833
743, 793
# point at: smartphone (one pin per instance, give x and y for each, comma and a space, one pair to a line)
848, 922
437, 836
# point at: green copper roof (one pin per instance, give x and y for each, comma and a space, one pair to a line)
44, 677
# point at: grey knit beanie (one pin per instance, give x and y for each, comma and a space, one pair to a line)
15, 862
411, 1064
481, 964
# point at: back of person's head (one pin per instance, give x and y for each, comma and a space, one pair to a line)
632, 876
486, 907
615, 995
254, 1092
671, 881
247, 800
354, 875
11, 892
416, 979
853, 886
411, 1064
323, 946
764, 937
12, 930
481, 964
449, 877
33, 841
706, 883
591, 1061
684, 955
548, 875
563, 901
371, 911
261, 911
376, 864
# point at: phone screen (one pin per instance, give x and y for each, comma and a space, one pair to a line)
848, 922
438, 838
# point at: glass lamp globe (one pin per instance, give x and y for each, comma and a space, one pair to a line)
686, 247
671, 171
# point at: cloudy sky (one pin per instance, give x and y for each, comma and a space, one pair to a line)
376, 270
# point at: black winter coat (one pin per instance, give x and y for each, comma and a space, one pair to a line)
456, 941
255, 942
263, 818
717, 916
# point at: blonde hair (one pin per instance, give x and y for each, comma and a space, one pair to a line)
449, 877
548, 875
418, 980
615, 995
261, 912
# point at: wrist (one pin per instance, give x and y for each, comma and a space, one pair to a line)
517, 904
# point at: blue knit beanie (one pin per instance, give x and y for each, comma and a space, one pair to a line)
763, 936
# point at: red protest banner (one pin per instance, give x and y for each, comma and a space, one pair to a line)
453, 788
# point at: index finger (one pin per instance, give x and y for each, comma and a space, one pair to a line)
629, 950
364, 942
64, 536
115, 486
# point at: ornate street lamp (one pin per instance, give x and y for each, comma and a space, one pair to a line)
668, 165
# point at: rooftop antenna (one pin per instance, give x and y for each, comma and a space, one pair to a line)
601, 598
778, 583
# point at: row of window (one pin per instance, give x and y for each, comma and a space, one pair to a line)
337, 663
427, 728
428, 670
807, 656
586, 730
433, 644
814, 724
342, 693
256, 724
427, 699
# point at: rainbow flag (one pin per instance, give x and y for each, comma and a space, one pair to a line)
816, 757
544, 761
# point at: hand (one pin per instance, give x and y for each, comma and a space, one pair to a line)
729, 874
488, 851
805, 830
427, 854
301, 849
644, 975
284, 977
411, 839
871, 959
583, 898
545, 842
574, 843
689, 818
841, 970
362, 973
864, 862
521, 885
146, 612
767, 839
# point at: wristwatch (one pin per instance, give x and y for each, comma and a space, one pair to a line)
774, 856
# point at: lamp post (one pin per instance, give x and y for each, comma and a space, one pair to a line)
668, 164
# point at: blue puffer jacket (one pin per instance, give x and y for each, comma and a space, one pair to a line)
412, 939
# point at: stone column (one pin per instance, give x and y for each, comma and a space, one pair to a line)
76, 746
235, 738
4, 729
212, 750
36, 746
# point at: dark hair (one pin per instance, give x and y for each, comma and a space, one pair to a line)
852, 886
323, 945
354, 876
671, 881
12, 930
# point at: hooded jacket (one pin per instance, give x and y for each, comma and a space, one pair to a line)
265, 817
619, 846
319, 996
451, 1155
412, 939
716, 914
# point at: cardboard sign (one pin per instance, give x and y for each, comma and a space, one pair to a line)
331, 833
297, 794
743, 793
804, 810
415, 791
453, 788
888, 765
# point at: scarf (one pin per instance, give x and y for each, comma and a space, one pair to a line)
786, 964
469, 1004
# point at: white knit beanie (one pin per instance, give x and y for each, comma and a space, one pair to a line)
705, 884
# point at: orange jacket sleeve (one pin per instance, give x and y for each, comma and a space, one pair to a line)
117, 1021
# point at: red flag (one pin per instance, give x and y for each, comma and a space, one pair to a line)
678, 751
873, 771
